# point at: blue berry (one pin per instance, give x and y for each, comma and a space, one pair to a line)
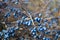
40, 14
38, 28
54, 20
39, 24
12, 28
28, 23
23, 18
44, 24
7, 14
50, 24
16, 28
55, 10
4, 31
47, 32
44, 28
19, 22
1, 34
56, 37
37, 19
6, 35
25, 23
18, 11
11, 31
45, 20
58, 31
12, 9
3, 5
39, 36
41, 29
46, 38
15, 15
5, 39
33, 32
16, 1
13, 34
5, 0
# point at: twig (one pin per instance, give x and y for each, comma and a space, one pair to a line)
45, 6
31, 18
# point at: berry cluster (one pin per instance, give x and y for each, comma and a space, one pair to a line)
17, 22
